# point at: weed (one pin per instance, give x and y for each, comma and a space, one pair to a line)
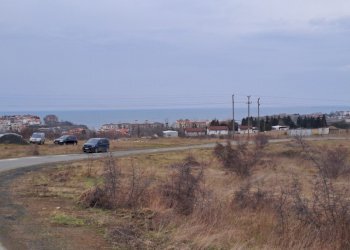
64, 219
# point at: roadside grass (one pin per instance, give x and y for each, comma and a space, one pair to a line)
217, 222
49, 148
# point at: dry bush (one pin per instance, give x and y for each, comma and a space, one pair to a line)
138, 186
112, 180
104, 196
246, 197
34, 149
90, 164
115, 192
183, 188
325, 217
239, 159
95, 197
260, 141
331, 162
334, 162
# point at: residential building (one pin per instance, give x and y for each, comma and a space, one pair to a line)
217, 130
195, 132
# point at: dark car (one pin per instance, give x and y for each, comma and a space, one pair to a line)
66, 139
96, 145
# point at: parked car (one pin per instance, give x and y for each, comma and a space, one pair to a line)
37, 138
66, 139
96, 145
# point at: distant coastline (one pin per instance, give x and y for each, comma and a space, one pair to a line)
96, 118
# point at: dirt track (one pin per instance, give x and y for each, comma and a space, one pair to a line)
22, 226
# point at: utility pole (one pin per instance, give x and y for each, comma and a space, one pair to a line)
249, 102
233, 117
259, 114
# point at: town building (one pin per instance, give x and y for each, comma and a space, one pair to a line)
217, 130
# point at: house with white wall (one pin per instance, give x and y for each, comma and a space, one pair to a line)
217, 130
195, 132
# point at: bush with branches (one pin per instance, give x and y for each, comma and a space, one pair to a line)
182, 189
239, 159
114, 192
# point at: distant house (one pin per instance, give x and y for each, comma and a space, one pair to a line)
245, 129
194, 132
217, 130
303, 132
279, 127
170, 133
182, 124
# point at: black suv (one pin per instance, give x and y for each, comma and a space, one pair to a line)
66, 139
96, 145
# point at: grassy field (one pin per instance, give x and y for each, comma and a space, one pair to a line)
49, 148
224, 211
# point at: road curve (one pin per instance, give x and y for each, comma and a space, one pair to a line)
14, 163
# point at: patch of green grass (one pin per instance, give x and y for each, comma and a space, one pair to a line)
64, 219
92, 181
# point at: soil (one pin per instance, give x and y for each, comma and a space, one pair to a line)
24, 223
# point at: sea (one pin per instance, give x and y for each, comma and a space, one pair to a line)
94, 119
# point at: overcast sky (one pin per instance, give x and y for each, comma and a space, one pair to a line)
111, 54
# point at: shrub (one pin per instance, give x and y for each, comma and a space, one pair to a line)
239, 159
138, 194
334, 162
115, 193
331, 163
261, 140
245, 197
181, 191
94, 197
325, 216
34, 149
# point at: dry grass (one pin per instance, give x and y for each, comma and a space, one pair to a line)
218, 221
14, 151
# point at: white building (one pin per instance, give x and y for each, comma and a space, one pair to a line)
279, 127
217, 130
170, 133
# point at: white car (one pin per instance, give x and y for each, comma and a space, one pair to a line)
37, 138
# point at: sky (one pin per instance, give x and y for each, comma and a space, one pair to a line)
125, 54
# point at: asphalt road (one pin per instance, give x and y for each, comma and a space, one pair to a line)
15, 163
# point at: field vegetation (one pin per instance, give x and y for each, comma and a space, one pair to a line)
291, 195
49, 148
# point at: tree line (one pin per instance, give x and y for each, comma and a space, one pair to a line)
266, 123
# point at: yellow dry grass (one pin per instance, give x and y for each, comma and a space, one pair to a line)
216, 225
49, 148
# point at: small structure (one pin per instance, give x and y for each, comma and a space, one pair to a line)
334, 130
279, 127
217, 130
300, 132
245, 130
170, 133
195, 132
